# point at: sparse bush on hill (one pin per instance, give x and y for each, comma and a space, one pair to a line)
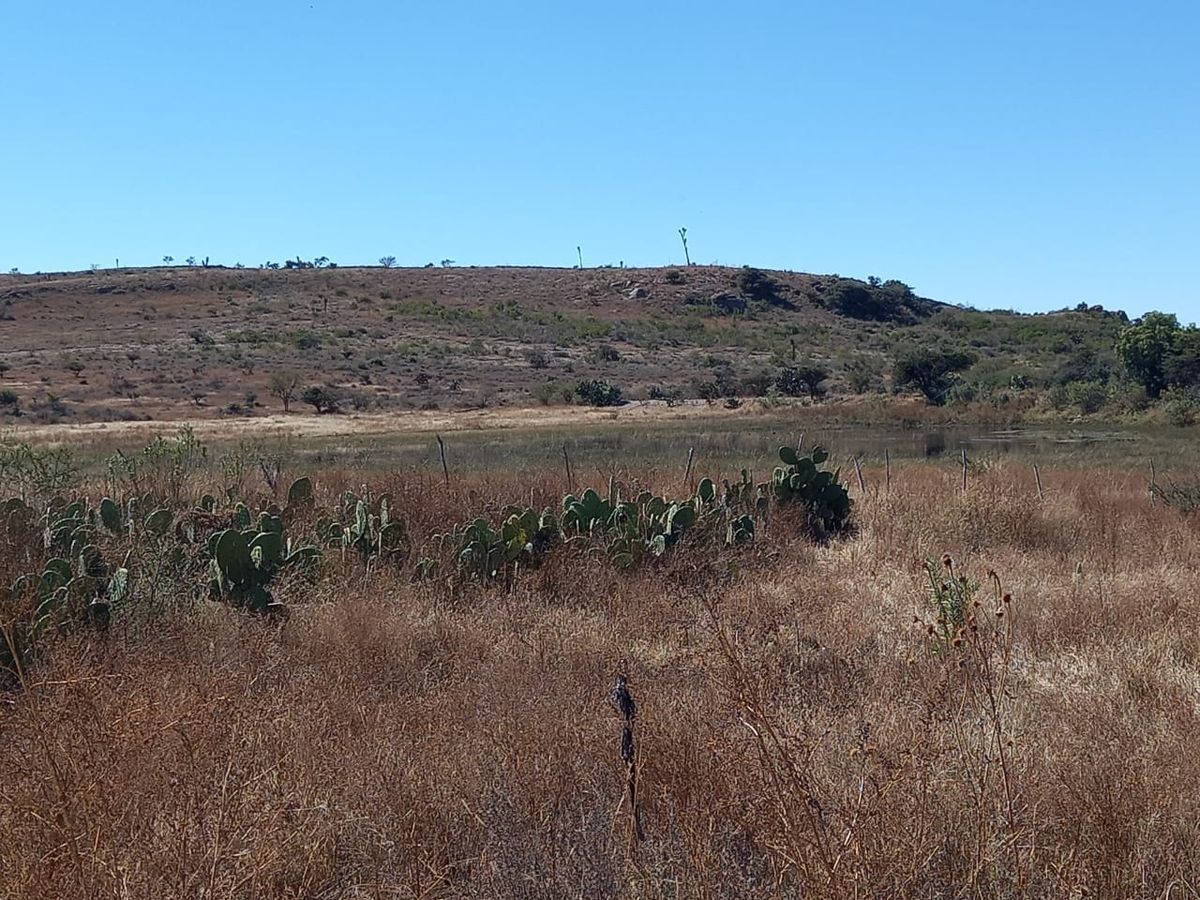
322, 399
758, 384
760, 287
863, 376
1083, 364
932, 372
1087, 396
799, 381
1180, 406
873, 301
283, 386
599, 393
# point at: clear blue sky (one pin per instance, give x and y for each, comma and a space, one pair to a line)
1002, 154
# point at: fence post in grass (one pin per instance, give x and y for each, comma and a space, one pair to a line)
445, 468
687, 472
567, 460
964, 469
862, 485
622, 700
1037, 477
887, 471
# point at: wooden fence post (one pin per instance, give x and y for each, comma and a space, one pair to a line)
445, 468
567, 460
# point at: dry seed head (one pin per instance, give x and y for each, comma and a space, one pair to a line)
947, 561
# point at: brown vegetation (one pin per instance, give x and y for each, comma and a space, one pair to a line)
800, 732
200, 343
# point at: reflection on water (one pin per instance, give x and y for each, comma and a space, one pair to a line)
935, 442
725, 446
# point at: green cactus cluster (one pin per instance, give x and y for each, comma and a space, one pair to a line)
800, 480
645, 526
76, 586
486, 553
137, 512
367, 528
246, 558
246, 550
72, 590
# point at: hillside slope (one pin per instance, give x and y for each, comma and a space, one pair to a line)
195, 342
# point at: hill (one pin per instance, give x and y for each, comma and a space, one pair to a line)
194, 342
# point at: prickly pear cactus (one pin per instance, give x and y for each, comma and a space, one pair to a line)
244, 562
800, 480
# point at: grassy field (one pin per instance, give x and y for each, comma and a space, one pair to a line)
980, 693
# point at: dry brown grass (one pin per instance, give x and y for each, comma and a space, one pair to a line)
799, 734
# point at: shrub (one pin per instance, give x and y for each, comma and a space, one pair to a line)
670, 396
862, 376
322, 399
1180, 407
1087, 396
875, 301
962, 393
1082, 365
549, 392
599, 393
1127, 396
758, 285
306, 340
758, 384
932, 372
796, 381
1056, 397
537, 359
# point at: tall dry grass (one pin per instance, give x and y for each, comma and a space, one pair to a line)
799, 731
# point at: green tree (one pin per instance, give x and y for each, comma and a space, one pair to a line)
322, 399
932, 372
599, 393
1182, 367
284, 385
1145, 347
798, 380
